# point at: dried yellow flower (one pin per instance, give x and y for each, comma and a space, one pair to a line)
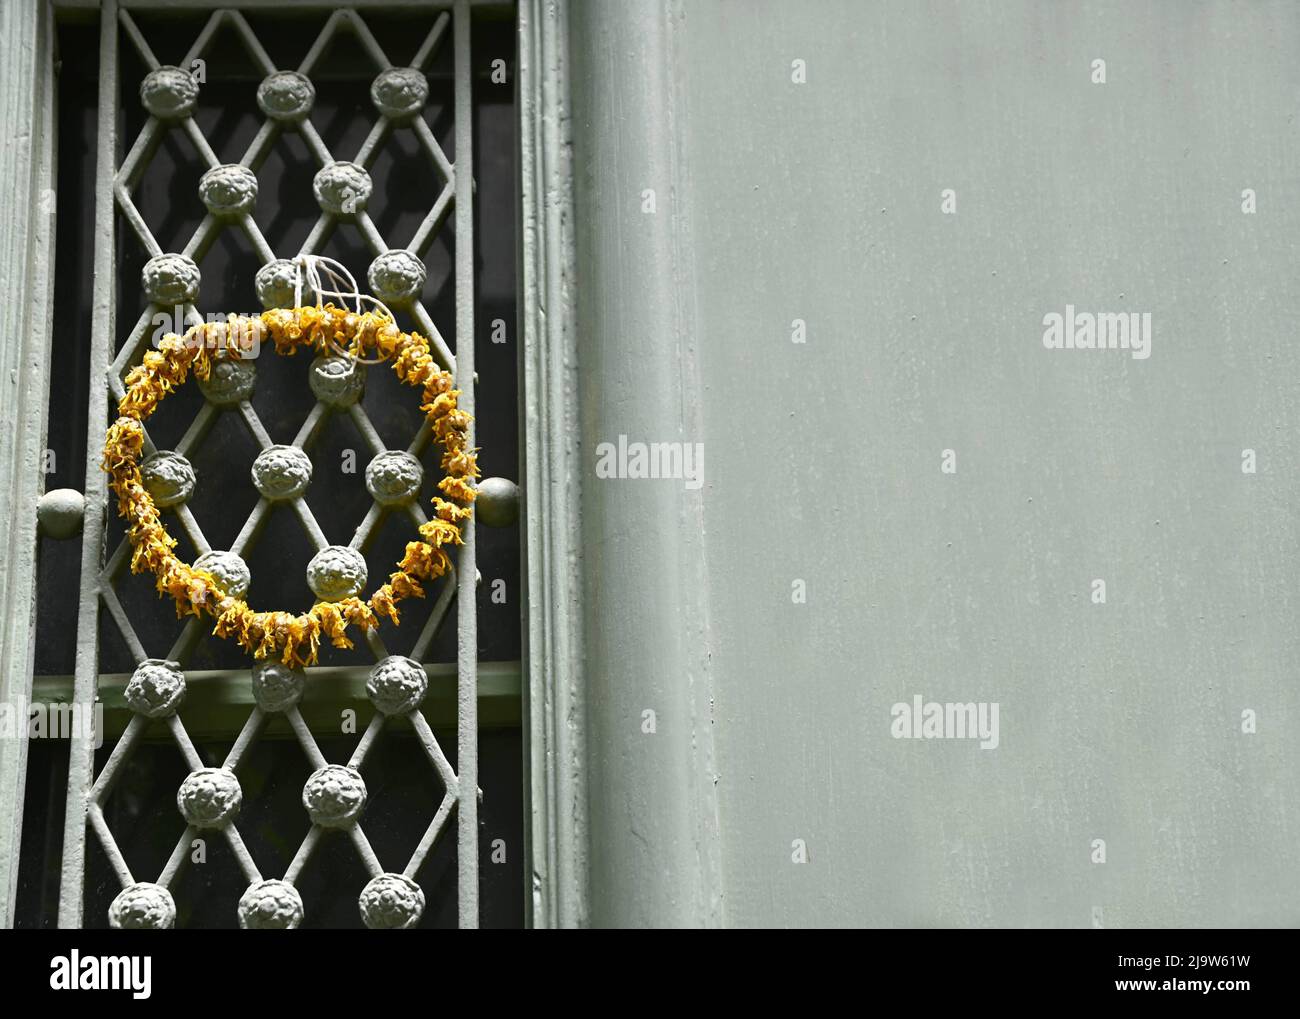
293, 639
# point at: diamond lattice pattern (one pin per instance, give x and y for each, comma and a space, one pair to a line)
334, 795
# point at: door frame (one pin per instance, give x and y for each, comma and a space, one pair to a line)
550, 487
27, 89
554, 697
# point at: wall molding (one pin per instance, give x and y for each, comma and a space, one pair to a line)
652, 803
26, 279
554, 710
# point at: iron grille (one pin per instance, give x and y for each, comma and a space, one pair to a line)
228, 192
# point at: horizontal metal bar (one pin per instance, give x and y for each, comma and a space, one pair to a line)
218, 702
282, 5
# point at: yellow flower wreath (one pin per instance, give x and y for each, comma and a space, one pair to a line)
295, 639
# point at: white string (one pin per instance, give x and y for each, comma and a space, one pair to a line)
308, 272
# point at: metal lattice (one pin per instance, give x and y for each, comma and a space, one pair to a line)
335, 793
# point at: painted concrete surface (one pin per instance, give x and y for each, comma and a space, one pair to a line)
822, 201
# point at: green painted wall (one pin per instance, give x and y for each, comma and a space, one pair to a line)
821, 201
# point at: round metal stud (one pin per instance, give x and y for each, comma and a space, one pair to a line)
229, 569
270, 905
168, 477
282, 472
391, 902
334, 796
393, 477
497, 504
210, 797
275, 283
397, 276
287, 96
169, 93
336, 572
337, 380
156, 689
228, 190
170, 279
397, 685
276, 687
230, 382
399, 93
342, 188
61, 512
143, 906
